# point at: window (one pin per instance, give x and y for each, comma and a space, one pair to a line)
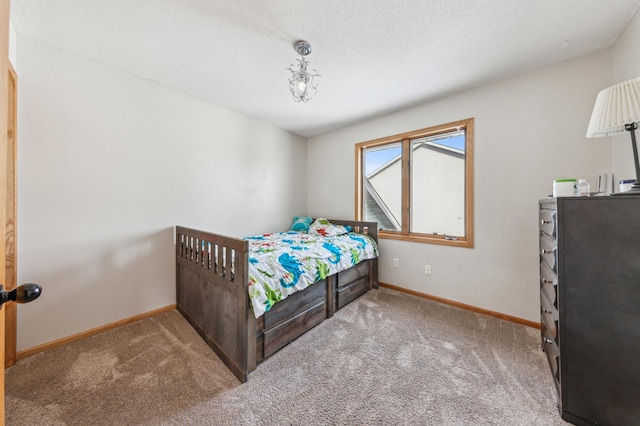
418, 186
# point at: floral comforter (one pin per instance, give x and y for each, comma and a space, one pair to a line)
282, 263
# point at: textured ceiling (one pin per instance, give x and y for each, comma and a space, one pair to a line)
374, 56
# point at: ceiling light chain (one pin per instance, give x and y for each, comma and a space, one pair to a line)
301, 82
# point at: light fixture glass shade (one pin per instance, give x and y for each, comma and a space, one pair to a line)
301, 82
615, 107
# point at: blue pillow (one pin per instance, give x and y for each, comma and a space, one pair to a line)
301, 223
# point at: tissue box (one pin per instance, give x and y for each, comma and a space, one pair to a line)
564, 187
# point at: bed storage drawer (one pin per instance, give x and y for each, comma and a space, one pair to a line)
352, 274
291, 318
278, 337
295, 304
352, 291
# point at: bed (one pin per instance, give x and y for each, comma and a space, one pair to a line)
213, 278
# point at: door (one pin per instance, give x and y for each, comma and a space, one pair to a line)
4, 115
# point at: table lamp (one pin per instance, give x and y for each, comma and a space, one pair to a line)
617, 110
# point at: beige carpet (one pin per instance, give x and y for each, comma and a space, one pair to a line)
387, 358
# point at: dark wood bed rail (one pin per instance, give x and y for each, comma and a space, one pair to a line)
220, 311
212, 292
368, 228
215, 253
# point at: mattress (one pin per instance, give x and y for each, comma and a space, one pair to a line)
283, 263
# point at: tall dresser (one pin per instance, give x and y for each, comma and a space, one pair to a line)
590, 306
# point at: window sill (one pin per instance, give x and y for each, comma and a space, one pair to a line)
427, 239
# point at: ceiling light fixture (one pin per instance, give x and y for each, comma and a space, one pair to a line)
301, 82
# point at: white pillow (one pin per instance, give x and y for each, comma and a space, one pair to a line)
322, 226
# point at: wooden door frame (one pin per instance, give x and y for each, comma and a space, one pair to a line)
11, 229
4, 115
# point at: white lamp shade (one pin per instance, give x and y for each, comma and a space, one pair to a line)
615, 106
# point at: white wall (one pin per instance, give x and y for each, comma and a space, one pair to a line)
624, 66
12, 43
529, 130
108, 164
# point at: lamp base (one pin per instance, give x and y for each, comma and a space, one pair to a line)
634, 190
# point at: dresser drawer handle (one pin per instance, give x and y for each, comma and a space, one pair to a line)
548, 341
545, 251
546, 281
545, 222
547, 311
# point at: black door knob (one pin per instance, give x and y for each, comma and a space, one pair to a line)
22, 294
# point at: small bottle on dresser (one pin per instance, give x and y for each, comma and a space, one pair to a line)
583, 188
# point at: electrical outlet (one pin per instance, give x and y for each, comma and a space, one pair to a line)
394, 262
427, 269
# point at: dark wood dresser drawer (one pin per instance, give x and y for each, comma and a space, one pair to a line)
549, 251
549, 324
553, 357
549, 284
548, 222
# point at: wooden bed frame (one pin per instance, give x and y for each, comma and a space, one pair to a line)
215, 299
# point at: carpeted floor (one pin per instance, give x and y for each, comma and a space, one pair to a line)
387, 358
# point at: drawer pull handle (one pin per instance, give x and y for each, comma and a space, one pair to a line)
546, 281
547, 311
548, 341
545, 251
545, 222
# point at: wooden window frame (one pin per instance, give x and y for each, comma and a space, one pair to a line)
405, 139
